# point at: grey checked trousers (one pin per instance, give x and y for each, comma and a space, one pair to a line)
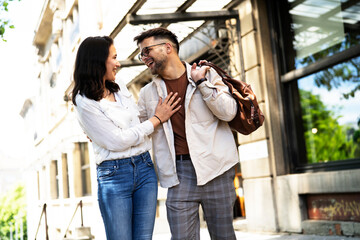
217, 199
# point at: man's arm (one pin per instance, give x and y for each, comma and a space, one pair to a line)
215, 93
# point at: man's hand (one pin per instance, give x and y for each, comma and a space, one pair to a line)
198, 73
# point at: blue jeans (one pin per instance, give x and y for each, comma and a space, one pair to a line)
127, 193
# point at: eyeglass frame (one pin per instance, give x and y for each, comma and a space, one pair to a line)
148, 48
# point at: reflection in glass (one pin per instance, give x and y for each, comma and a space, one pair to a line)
313, 36
331, 112
322, 28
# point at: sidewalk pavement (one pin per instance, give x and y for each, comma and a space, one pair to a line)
162, 232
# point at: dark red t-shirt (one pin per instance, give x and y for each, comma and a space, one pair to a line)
178, 119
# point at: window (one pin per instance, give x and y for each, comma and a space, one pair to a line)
330, 119
54, 180
85, 170
323, 28
82, 178
38, 184
319, 60
65, 176
73, 24
43, 183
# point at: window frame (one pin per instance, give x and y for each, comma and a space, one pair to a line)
293, 136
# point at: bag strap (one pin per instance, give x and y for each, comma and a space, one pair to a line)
233, 84
223, 74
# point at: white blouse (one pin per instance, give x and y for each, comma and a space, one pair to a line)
114, 127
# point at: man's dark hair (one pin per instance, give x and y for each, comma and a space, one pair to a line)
158, 33
90, 68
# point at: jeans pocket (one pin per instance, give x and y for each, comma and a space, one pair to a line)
105, 172
149, 162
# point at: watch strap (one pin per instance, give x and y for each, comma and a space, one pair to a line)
198, 82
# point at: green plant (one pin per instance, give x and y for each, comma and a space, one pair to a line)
4, 23
13, 213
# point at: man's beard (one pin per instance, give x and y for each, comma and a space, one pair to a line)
159, 66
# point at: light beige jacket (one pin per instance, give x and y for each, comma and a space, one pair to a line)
211, 143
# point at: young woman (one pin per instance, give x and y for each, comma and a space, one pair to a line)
127, 183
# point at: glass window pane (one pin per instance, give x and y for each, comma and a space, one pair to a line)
85, 170
322, 28
65, 176
331, 112
86, 182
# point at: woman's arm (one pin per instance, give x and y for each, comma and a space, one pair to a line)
105, 133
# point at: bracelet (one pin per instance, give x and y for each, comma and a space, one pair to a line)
158, 119
198, 82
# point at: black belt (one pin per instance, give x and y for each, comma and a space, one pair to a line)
183, 157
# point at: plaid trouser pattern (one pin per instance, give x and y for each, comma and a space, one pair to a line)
217, 199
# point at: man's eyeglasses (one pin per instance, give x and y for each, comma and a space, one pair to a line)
146, 50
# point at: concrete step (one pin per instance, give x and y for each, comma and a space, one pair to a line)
331, 228
81, 233
77, 238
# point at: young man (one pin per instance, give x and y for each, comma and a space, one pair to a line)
195, 151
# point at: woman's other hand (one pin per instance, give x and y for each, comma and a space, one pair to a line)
165, 109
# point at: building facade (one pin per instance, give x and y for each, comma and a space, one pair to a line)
299, 172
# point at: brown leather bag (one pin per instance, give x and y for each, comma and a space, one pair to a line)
249, 116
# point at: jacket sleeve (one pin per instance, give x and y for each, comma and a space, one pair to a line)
141, 106
104, 132
217, 97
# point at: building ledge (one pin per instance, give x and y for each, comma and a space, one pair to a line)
330, 228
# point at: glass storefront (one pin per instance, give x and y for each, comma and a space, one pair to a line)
322, 28
318, 53
331, 115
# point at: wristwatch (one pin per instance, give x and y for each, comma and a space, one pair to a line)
198, 82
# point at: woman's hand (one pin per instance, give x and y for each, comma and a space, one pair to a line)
165, 109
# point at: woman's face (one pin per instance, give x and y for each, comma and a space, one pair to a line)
111, 64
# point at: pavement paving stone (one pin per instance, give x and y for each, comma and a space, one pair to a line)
162, 232
260, 236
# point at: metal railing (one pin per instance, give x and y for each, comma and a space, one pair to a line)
43, 213
81, 215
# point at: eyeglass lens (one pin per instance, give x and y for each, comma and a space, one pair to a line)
146, 50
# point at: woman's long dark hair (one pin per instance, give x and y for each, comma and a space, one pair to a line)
90, 68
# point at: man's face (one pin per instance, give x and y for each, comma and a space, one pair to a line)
153, 54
